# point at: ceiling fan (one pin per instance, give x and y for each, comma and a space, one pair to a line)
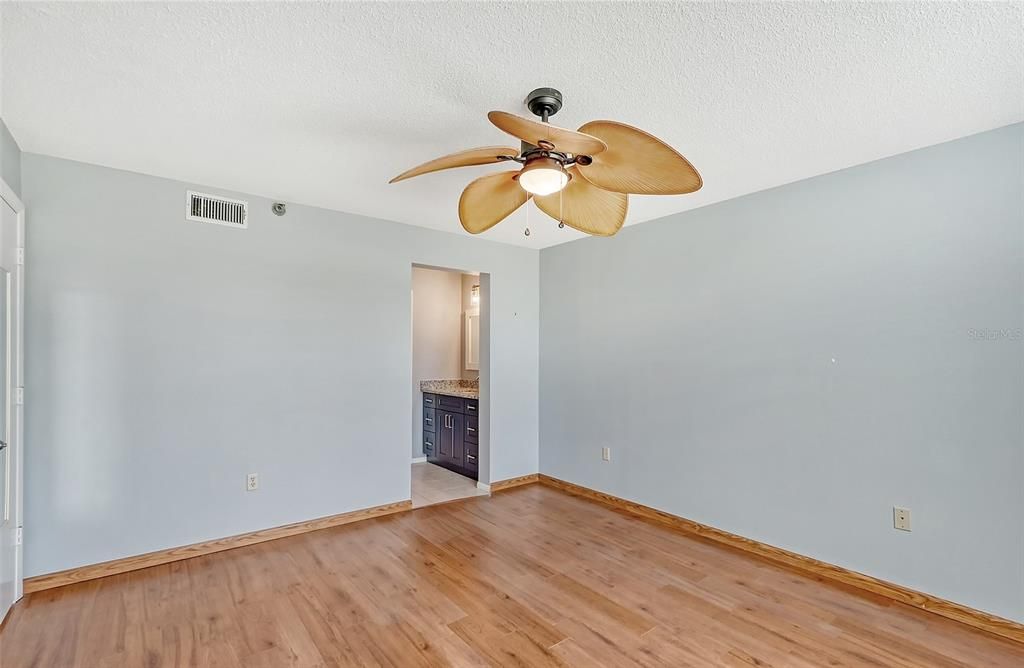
581, 178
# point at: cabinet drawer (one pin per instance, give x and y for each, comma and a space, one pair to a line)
450, 403
472, 407
472, 455
429, 447
429, 400
429, 420
472, 429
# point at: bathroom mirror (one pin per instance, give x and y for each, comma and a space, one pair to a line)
472, 337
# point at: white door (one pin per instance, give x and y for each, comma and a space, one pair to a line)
11, 231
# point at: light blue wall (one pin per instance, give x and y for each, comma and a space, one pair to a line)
166, 359
10, 159
700, 349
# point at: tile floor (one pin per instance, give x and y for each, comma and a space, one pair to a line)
433, 484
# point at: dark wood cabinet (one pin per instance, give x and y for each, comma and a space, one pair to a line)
458, 449
429, 430
445, 438
428, 420
450, 434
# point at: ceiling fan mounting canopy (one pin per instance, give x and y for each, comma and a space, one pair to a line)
581, 178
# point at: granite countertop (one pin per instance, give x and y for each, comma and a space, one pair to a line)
467, 389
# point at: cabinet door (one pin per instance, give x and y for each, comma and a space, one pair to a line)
457, 430
445, 435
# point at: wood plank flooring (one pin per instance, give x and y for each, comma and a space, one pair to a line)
530, 577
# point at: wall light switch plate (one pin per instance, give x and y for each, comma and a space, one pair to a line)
606, 454
252, 482
901, 518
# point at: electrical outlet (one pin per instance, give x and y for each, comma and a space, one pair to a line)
252, 482
606, 454
901, 518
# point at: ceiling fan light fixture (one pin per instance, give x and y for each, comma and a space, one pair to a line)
543, 176
603, 161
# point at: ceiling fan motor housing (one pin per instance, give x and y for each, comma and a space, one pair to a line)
544, 102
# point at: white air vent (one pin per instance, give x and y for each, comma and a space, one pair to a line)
215, 209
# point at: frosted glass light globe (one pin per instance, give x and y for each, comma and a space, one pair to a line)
543, 176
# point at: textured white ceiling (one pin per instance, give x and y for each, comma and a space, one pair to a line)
322, 103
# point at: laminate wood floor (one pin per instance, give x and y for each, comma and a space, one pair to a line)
529, 577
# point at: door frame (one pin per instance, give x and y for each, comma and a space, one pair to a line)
484, 370
16, 449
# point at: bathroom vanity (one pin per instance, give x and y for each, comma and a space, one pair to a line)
451, 426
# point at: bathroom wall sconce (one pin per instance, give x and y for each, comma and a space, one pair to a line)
474, 295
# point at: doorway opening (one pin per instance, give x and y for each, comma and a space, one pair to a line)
450, 356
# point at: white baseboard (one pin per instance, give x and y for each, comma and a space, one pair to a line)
482, 485
418, 460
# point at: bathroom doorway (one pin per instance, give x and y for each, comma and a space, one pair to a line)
450, 353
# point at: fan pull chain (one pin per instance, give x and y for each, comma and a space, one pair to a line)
527, 220
561, 223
